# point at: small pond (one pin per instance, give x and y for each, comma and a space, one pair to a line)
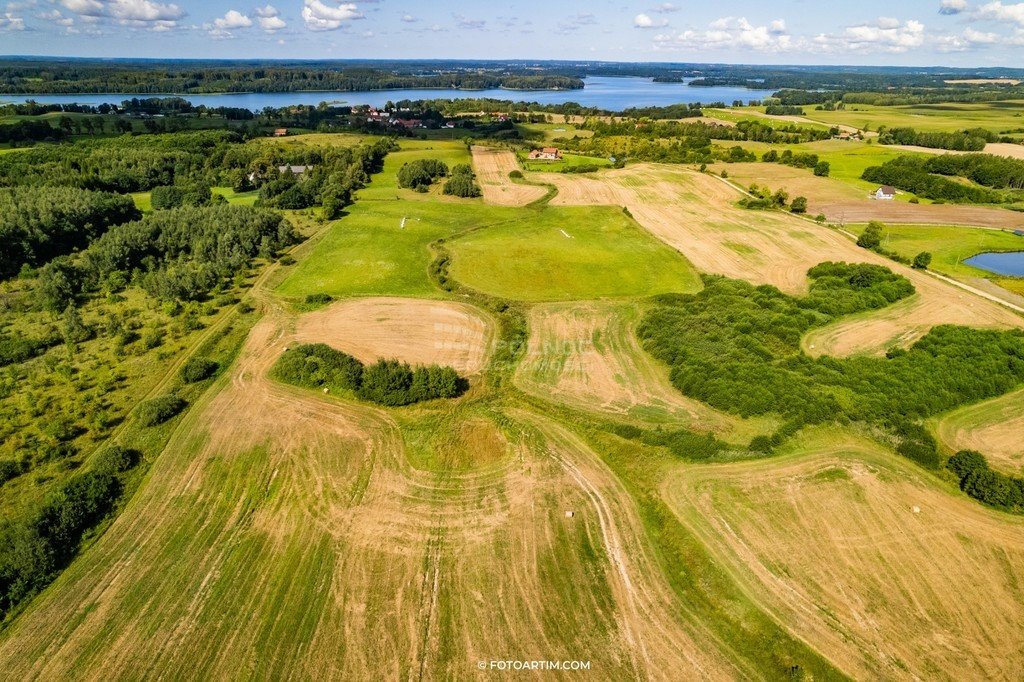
1010, 263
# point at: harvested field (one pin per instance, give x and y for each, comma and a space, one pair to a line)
695, 214
272, 495
993, 427
492, 167
586, 355
866, 557
412, 330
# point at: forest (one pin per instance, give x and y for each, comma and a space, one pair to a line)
23, 77
917, 175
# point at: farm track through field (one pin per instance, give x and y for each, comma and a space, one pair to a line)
695, 213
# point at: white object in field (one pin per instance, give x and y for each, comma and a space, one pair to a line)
402, 226
567, 235
570, 514
917, 510
327, 390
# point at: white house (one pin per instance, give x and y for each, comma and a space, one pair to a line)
884, 193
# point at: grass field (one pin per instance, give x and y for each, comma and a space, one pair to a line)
995, 116
569, 253
949, 245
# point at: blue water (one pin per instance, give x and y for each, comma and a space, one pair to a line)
1011, 263
612, 93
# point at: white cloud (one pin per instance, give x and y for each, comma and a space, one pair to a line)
269, 19
9, 22
573, 23
144, 11
409, 19
732, 32
645, 21
88, 8
997, 11
232, 19
323, 17
55, 17
952, 6
666, 8
886, 34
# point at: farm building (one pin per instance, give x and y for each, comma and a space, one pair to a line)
280, 132
884, 193
294, 170
546, 154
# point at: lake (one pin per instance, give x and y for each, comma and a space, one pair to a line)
1011, 263
611, 93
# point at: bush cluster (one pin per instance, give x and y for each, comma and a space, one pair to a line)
983, 484
158, 410
924, 177
421, 173
196, 369
462, 183
386, 382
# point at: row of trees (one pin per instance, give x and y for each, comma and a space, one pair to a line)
963, 140
798, 160
421, 173
982, 483
386, 382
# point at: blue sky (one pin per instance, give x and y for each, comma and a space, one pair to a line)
885, 32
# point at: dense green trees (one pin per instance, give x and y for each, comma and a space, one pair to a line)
462, 182
160, 409
964, 140
386, 382
982, 483
737, 347
197, 369
38, 224
34, 549
421, 173
924, 176
184, 252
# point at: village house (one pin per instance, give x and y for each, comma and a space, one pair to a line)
884, 193
280, 132
294, 170
546, 154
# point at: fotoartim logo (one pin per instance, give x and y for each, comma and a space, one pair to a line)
532, 665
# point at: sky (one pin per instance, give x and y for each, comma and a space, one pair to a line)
876, 32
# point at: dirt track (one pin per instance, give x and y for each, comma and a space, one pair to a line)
695, 214
492, 167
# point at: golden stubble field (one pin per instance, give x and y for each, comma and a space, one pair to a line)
864, 556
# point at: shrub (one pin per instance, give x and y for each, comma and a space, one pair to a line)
115, 459
419, 174
965, 462
516, 174
799, 205
9, 469
197, 369
318, 299
167, 197
922, 260
159, 410
871, 238
822, 169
